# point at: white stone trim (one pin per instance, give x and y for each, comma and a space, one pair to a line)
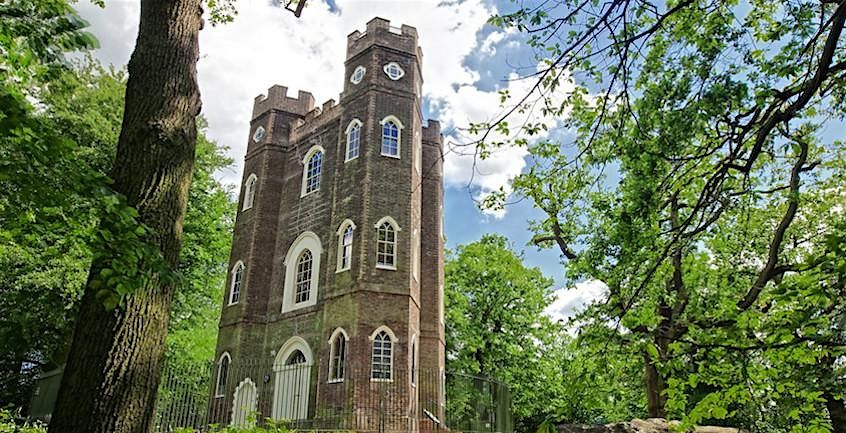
353, 123
341, 229
310, 241
249, 192
220, 391
294, 343
232, 282
314, 149
400, 127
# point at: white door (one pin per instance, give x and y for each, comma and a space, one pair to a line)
244, 404
290, 393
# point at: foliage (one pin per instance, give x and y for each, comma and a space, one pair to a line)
496, 327
698, 181
10, 423
50, 224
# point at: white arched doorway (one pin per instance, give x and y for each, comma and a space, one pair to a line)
292, 373
244, 404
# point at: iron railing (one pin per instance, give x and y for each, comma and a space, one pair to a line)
300, 397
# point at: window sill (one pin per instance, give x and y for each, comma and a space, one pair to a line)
306, 194
335, 381
373, 379
351, 159
338, 271
387, 155
246, 209
386, 267
232, 303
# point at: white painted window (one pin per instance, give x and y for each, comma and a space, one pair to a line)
353, 140
346, 233
391, 136
358, 74
382, 354
337, 355
222, 375
393, 71
249, 192
312, 168
386, 243
302, 268
237, 280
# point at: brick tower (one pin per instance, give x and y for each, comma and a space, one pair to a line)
333, 312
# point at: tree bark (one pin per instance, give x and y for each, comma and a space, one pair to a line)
836, 412
111, 378
655, 387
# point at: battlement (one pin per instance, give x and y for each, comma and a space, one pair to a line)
380, 31
277, 99
432, 132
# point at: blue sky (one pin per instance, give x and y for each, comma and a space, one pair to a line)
465, 63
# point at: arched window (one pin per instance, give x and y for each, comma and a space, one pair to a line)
345, 245
302, 269
391, 128
249, 192
337, 355
386, 243
296, 358
304, 266
222, 375
237, 281
353, 139
382, 358
312, 167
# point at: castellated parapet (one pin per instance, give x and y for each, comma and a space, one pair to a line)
339, 237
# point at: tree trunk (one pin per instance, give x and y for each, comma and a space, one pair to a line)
836, 412
655, 387
112, 374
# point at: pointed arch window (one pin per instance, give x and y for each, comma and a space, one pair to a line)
222, 375
249, 192
303, 287
382, 354
386, 243
237, 281
312, 169
353, 140
346, 232
337, 355
391, 132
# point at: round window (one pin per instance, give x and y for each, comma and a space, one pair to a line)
394, 71
357, 75
258, 134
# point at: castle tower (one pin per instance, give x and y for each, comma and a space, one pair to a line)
333, 313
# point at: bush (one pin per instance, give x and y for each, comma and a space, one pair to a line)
12, 423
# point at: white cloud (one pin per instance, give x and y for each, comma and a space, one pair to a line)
570, 300
267, 45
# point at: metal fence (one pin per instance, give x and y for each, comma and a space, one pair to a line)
252, 393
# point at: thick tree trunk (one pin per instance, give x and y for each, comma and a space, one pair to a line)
836, 412
655, 387
112, 373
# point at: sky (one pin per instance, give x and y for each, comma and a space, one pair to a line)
465, 63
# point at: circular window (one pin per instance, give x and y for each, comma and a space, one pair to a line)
394, 71
258, 134
357, 75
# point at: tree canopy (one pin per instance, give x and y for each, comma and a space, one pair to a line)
701, 181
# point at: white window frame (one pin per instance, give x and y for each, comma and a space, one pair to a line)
238, 264
220, 391
310, 241
341, 229
415, 254
388, 66
397, 229
249, 192
311, 152
338, 333
394, 340
353, 124
355, 78
400, 127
